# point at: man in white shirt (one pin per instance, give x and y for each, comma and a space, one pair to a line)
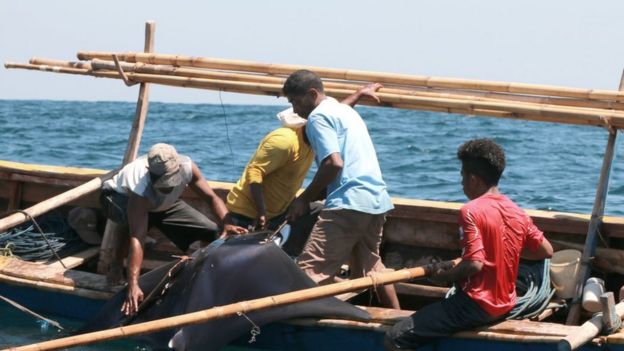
145, 193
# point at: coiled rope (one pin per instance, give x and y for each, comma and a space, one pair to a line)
533, 289
34, 242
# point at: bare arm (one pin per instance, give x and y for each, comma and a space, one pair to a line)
367, 90
460, 269
201, 188
258, 197
138, 208
544, 251
326, 173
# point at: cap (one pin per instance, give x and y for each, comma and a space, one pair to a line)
163, 161
84, 221
290, 119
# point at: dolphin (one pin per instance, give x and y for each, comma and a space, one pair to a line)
228, 270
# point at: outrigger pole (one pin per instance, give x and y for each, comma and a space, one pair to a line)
595, 224
220, 312
111, 250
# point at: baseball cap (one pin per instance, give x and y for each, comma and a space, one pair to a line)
163, 161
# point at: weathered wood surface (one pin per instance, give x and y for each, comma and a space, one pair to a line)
74, 260
54, 277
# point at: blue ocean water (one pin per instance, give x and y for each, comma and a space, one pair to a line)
549, 166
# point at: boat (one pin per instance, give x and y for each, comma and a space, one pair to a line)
416, 231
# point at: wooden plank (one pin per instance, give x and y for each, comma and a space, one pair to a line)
15, 195
37, 272
75, 260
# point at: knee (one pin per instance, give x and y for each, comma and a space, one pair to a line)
389, 344
401, 336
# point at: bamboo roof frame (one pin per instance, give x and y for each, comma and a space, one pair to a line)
399, 98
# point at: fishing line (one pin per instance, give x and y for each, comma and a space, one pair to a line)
227, 131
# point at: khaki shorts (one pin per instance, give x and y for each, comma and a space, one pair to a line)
339, 237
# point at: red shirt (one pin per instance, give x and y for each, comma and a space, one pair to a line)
494, 230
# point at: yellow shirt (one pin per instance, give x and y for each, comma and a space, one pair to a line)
280, 164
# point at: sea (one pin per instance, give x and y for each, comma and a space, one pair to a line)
549, 166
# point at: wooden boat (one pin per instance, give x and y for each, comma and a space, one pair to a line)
78, 292
417, 231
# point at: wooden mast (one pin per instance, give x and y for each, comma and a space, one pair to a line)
111, 249
595, 223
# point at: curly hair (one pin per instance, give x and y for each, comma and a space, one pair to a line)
299, 82
483, 158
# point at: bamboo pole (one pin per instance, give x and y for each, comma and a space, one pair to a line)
56, 201
140, 67
534, 112
111, 250
230, 310
595, 223
587, 331
357, 75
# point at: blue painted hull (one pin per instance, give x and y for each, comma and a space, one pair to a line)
276, 336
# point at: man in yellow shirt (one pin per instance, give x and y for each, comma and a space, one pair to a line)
275, 173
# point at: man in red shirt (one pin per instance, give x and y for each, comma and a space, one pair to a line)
495, 233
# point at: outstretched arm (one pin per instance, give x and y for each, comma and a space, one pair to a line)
455, 270
201, 188
138, 208
328, 171
367, 90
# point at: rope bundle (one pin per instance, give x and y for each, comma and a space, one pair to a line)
532, 288
27, 242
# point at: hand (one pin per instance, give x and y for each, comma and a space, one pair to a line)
229, 229
621, 297
370, 89
260, 223
133, 299
438, 267
297, 209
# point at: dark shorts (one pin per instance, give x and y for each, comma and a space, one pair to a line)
181, 223
299, 231
443, 318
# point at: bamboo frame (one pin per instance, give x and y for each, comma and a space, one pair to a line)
591, 240
110, 261
534, 112
97, 64
229, 310
587, 331
55, 202
139, 67
357, 75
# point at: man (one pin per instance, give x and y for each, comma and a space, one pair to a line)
350, 226
495, 233
145, 193
275, 173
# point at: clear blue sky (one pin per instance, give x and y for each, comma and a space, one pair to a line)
560, 42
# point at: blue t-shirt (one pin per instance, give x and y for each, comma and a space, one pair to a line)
335, 127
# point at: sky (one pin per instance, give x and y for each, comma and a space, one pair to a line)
556, 42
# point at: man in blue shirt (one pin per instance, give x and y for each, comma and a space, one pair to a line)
350, 226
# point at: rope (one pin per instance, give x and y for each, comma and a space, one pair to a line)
533, 289
255, 330
26, 310
26, 242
